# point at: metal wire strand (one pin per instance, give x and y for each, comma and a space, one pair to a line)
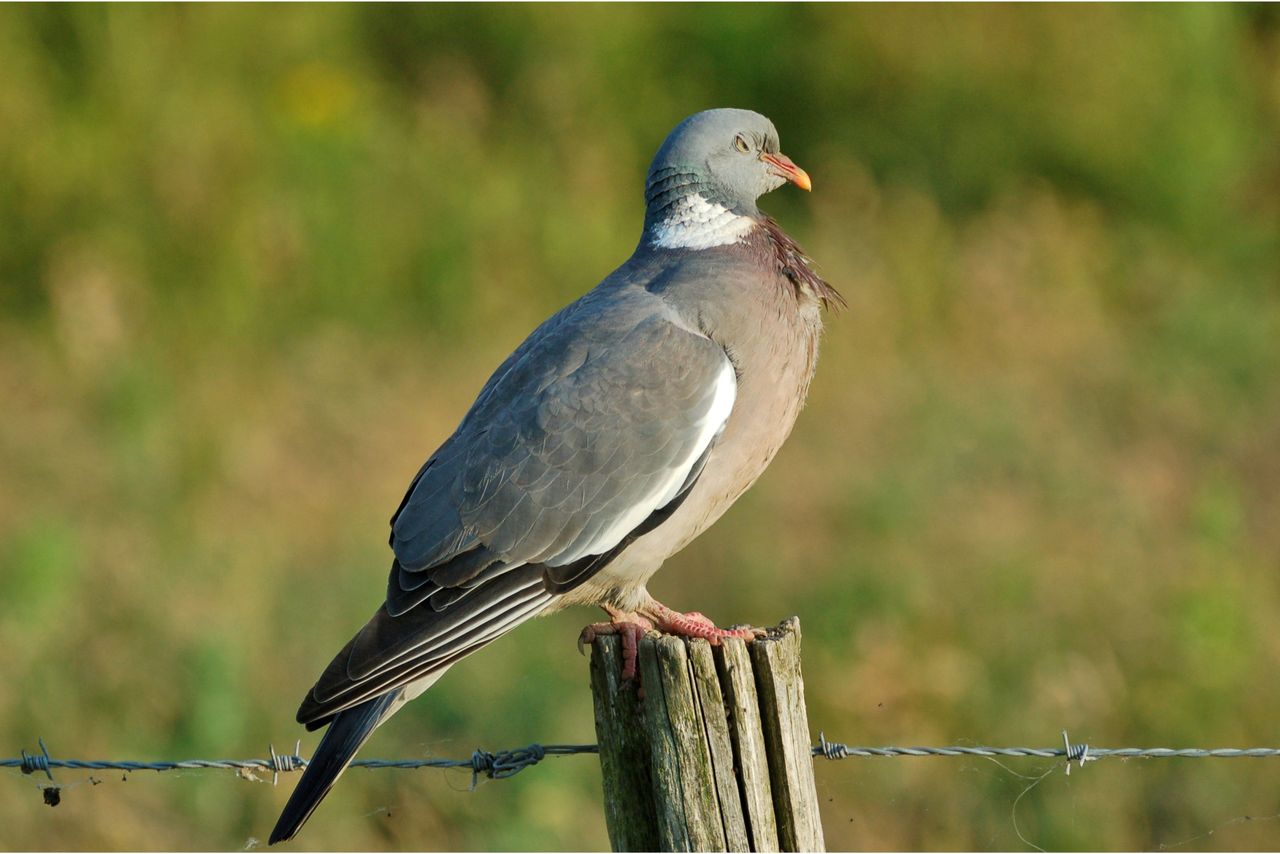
502, 764
1080, 752
494, 766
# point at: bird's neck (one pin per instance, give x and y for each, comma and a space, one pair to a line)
684, 212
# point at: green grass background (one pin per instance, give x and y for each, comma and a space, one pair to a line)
255, 263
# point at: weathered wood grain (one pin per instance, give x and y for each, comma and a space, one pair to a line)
684, 784
715, 723
742, 707
786, 729
624, 752
713, 754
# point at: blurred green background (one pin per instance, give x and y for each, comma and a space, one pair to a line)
256, 262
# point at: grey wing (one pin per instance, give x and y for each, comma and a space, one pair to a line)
590, 434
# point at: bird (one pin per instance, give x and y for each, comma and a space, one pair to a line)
618, 431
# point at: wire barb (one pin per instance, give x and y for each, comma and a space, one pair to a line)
506, 763
31, 763
831, 750
1080, 752
284, 762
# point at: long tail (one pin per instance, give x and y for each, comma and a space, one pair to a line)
348, 731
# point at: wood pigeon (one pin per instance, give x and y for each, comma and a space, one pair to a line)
617, 432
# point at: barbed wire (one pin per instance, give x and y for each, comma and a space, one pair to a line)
495, 766
502, 764
1080, 753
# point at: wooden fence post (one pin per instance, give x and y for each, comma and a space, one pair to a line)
716, 755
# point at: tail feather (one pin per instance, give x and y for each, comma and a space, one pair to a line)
347, 733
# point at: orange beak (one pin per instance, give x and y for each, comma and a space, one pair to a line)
784, 168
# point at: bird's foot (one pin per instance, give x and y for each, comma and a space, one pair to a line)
629, 626
632, 626
695, 624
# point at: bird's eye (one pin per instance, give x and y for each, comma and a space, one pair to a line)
741, 144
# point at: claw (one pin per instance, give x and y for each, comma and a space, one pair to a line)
630, 628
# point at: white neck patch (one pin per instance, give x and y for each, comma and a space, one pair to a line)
695, 223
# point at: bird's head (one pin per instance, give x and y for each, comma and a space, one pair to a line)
731, 155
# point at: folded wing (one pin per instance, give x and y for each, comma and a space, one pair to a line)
589, 435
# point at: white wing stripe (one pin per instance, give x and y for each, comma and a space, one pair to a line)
723, 397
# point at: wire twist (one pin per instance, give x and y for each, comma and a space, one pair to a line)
31, 763
506, 763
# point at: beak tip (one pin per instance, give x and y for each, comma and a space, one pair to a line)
785, 167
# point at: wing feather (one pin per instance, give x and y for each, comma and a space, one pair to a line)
600, 420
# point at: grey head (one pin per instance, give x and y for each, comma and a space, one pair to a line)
729, 157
